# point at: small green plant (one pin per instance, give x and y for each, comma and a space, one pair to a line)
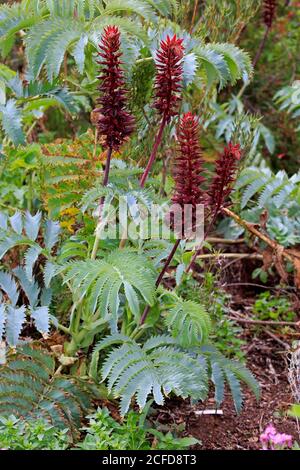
134, 433
224, 332
269, 307
16, 434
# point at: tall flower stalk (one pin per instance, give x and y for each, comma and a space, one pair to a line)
220, 188
269, 13
188, 176
113, 122
168, 79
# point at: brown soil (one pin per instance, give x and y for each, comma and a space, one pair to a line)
241, 432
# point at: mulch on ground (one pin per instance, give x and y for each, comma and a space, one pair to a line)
268, 362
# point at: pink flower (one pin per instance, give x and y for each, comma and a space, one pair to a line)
270, 430
273, 440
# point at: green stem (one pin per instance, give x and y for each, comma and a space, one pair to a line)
30, 192
145, 59
104, 183
63, 328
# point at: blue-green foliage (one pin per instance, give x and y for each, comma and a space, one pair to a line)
30, 390
160, 367
22, 231
279, 194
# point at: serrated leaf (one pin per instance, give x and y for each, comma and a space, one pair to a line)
41, 319
30, 390
189, 68
2, 320
134, 371
16, 221
134, 6
189, 323
179, 273
32, 224
268, 138
132, 298
46, 296
30, 288
9, 286
31, 257
14, 323
3, 221
219, 382
52, 231
12, 122
47, 43
78, 52
49, 272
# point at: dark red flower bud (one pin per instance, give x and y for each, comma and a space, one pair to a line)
269, 12
169, 65
188, 171
221, 184
113, 121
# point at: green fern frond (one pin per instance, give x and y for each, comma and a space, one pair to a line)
24, 231
158, 341
134, 371
31, 288
30, 389
55, 93
15, 17
262, 189
238, 61
9, 286
189, 322
139, 7
41, 319
31, 257
284, 194
248, 175
12, 241
32, 224
126, 26
224, 371
223, 63
215, 66
91, 198
47, 42
102, 281
166, 8
15, 318
51, 235
273, 188
161, 367
265, 186
254, 188
11, 119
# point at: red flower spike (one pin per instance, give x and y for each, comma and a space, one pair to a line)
112, 119
221, 184
169, 76
220, 188
188, 168
269, 12
188, 163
